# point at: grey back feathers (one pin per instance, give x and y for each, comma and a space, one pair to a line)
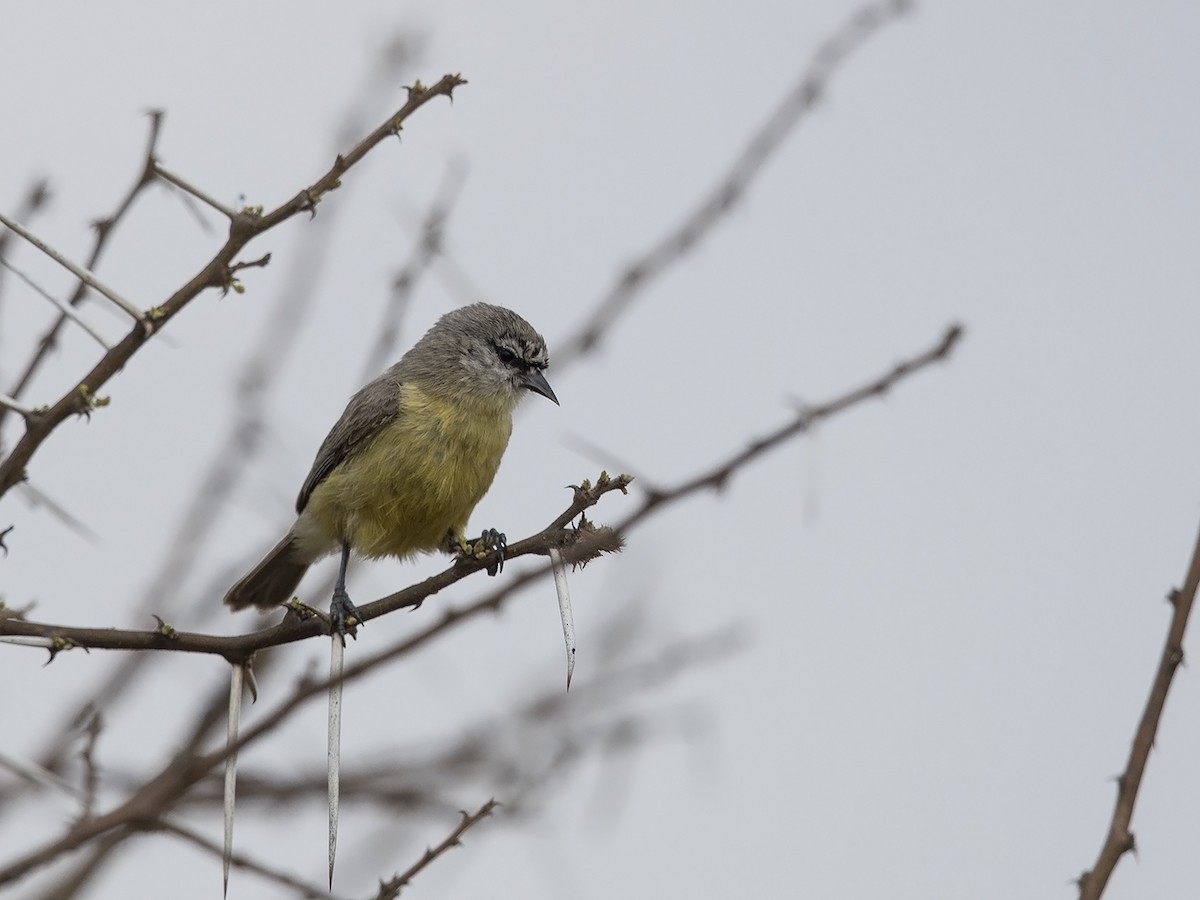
489, 351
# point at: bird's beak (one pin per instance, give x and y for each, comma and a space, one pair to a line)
535, 381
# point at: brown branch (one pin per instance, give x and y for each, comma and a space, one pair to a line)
216, 274
1119, 839
218, 484
239, 648
804, 96
389, 890
161, 791
718, 476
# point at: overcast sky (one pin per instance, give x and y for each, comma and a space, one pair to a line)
953, 596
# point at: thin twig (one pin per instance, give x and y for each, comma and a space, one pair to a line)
63, 308
34, 201
104, 229
1119, 840
389, 890
188, 188
78, 271
240, 647
279, 876
215, 274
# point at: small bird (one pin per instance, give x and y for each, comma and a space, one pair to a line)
411, 456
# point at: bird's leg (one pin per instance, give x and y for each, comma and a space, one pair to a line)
341, 610
490, 543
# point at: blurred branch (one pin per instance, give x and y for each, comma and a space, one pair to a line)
85, 275
1119, 840
34, 201
804, 96
427, 249
486, 754
247, 225
103, 229
241, 861
63, 308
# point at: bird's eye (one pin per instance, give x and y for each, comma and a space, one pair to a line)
506, 356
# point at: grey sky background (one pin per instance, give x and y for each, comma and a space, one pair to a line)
953, 596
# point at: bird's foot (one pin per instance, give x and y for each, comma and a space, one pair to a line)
344, 617
491, 543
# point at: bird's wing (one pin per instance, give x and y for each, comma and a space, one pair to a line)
372, 408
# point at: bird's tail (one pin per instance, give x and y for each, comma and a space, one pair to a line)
273, 581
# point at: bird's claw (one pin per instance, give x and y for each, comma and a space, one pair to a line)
491, 543
344, 617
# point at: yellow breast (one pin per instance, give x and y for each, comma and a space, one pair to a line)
419, 478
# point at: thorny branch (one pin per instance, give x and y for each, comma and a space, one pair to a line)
163, 790
248, 225
239, 648
390, 889
263, 369
1119, 839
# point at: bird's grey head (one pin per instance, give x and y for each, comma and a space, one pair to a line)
488, 352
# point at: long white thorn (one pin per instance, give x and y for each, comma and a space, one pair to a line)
337, 662
78, 271
564, 609
236, 684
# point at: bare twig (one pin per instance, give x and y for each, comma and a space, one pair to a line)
188, 188
92, 727
63, 308
389, 890
1119, 840
34, 201
215, 274
239, 648
104, 229
78, 271
242, 862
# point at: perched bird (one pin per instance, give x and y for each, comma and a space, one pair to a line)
411, 456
